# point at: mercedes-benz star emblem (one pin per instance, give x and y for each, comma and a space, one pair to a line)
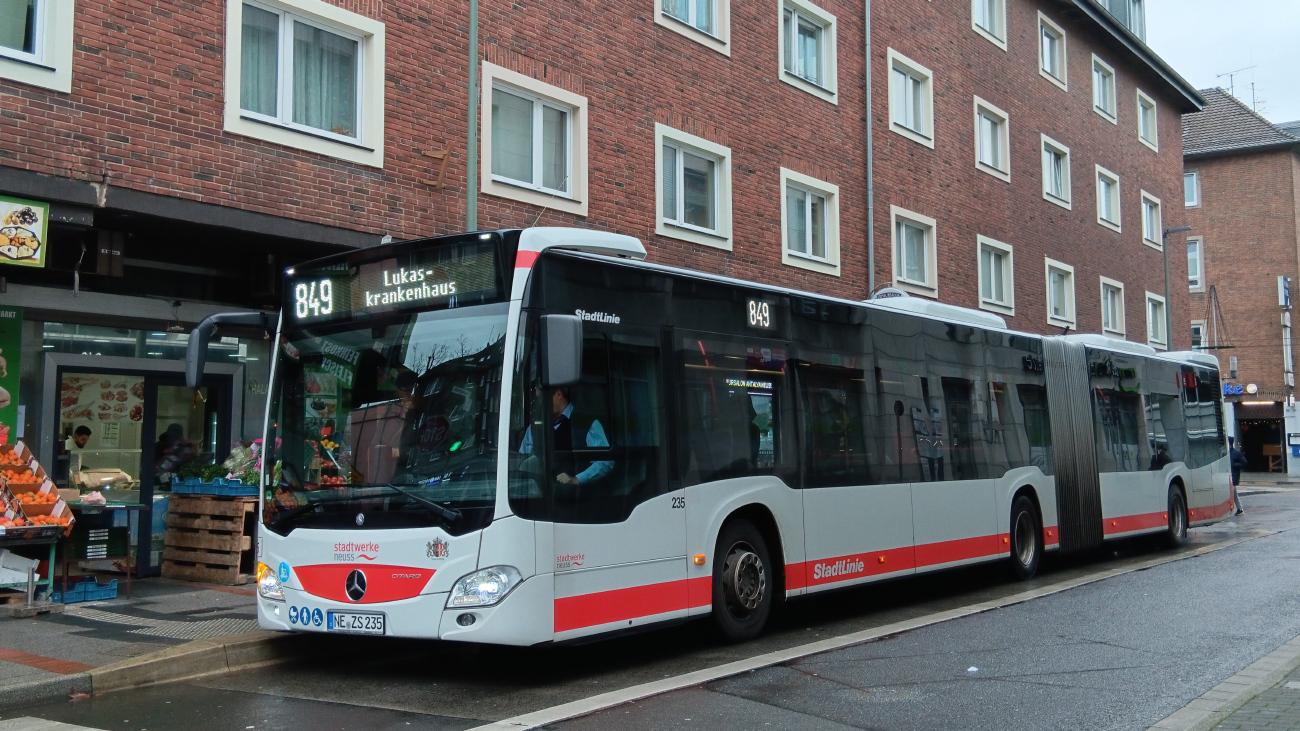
361, 518
355, 586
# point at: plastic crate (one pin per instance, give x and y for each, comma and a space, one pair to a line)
219, 486
88, 590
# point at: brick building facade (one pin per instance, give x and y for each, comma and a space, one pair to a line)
1240, 192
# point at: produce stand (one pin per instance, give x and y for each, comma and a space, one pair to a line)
33, 514
92, 540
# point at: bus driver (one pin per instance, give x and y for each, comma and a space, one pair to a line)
565, 424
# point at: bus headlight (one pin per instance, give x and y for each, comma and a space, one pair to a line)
484, 587
268, 583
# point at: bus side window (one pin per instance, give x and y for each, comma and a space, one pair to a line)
835, 447
1037, 427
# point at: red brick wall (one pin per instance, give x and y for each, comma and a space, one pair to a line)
1248, 216
147, 104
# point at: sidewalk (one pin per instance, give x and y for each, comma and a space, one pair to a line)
1256, 482
160, 614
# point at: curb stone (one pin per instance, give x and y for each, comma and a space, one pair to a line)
45, 690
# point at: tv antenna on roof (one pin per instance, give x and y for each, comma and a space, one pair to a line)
1231, 74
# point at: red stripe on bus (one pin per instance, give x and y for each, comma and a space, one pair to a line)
1051, 535
621, 605
888, 561
1130, 523
525, 259
1214, 511
383, 583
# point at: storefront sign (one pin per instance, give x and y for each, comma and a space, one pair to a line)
11, 346
23, 226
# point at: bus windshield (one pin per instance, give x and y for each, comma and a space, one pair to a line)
387, 424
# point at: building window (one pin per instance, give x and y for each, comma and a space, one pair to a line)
1051, 51
1152, 227
992, 140
1112, 307
1103, 89
1192, 189
996, 276
1137, 18
1108, 199
1060, 294
915, 259
989, 19
531, 141
20, 29
1148, 124
534, 141
694, 189
1196, 264
306, 74
1198, 334
698, 14
36, 42
807, 48
810, 223
706, 22
1156, 321
1056, 172
911, 99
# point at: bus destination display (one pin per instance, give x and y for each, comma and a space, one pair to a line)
429, 279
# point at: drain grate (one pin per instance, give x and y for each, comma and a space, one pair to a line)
167, 628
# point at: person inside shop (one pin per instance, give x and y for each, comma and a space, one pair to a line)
80, 436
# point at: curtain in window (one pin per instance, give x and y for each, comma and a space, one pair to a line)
670, 183
906, 97
990, 142
512, 136
555, 149
787, 26
1049, 53
259, 61
809, 51
1194, 263
817, 214
697, 190
678, 9
324, 80
912, 265
991, 261
1058, 295
18, 25
1054, 172
703, 15
796, 220
1105, 194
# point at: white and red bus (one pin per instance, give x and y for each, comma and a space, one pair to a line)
521, 437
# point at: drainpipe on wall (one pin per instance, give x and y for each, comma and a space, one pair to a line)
871, 191
471, 152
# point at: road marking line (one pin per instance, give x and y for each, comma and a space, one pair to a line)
587, 706
52, 664
1214, 706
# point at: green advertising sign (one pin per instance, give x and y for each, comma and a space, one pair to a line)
23, 226
11, 347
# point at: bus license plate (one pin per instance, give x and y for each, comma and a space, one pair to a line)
366, 624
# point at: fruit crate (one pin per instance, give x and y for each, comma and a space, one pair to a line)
210, 539
220, 486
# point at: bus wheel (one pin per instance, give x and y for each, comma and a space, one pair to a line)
1026, 538
742, 582
1176, 535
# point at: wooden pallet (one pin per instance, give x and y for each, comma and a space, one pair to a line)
210, 539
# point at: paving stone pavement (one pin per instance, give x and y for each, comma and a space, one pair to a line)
1276, 708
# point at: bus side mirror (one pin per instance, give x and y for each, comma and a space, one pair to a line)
561, 350
196, 353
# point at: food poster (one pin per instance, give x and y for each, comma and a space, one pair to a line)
111, 406
322, 402
23, 226
11, 346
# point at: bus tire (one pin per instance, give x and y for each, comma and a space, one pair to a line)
1026, 538
742, 581
1176, 533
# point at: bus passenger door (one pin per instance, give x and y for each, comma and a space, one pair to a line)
619, 532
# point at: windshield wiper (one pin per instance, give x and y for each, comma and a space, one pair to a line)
295, 512
449, 515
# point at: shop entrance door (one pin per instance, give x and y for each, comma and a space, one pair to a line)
127, 433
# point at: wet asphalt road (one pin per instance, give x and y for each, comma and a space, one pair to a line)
1120, 653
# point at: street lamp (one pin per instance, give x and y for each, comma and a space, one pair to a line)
1169, 310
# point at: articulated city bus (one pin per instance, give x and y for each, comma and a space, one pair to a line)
521, 437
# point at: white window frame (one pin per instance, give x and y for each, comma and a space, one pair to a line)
1048, 266
49, 66
575, 200
930, 287
1199, 284
1158, 242
926, 135
1045, 23
1196, 188
721, 237
1122, 316
721, 42
1202, 325
1049, 143
1116, 198
1000, 13
539, 104
831, 210
1145, 100
828, 89
1002, 172
1158, 344
1007, 306
365, 149
1108, 72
